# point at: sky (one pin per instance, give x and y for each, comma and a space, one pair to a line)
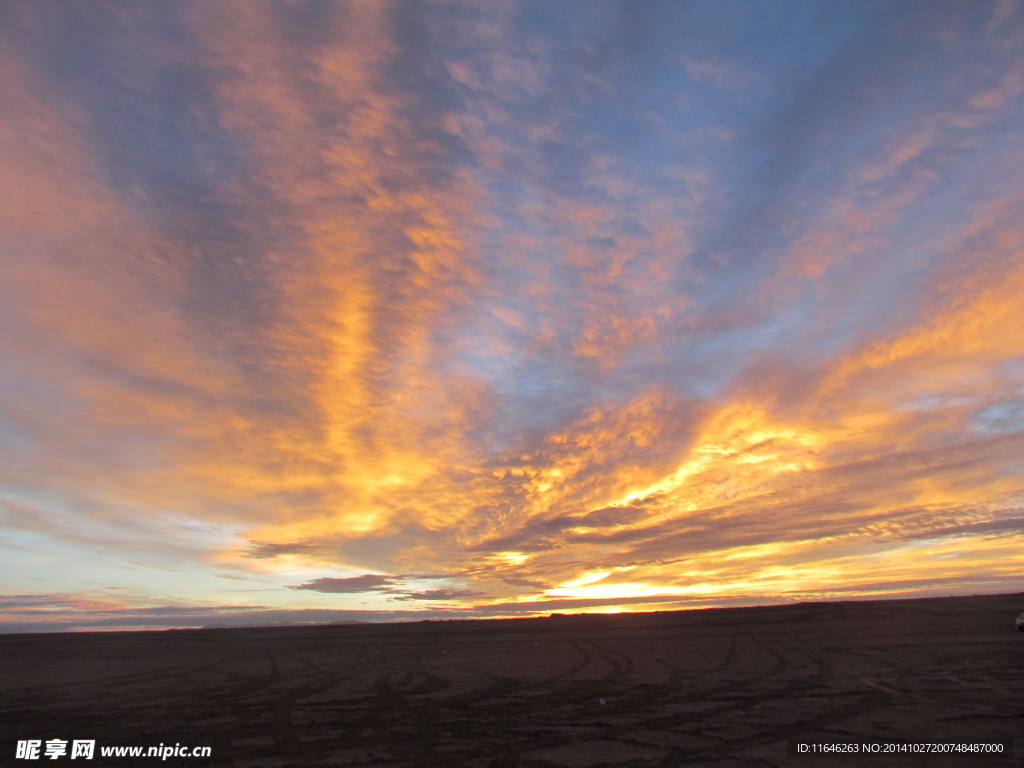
367, 311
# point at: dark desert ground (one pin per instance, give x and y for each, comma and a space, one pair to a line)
725, 687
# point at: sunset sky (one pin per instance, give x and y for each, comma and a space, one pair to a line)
327, 311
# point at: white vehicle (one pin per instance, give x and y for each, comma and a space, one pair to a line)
1020, 623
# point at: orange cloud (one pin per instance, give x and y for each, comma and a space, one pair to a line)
475, 329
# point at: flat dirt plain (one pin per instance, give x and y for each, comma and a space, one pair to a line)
725, 687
